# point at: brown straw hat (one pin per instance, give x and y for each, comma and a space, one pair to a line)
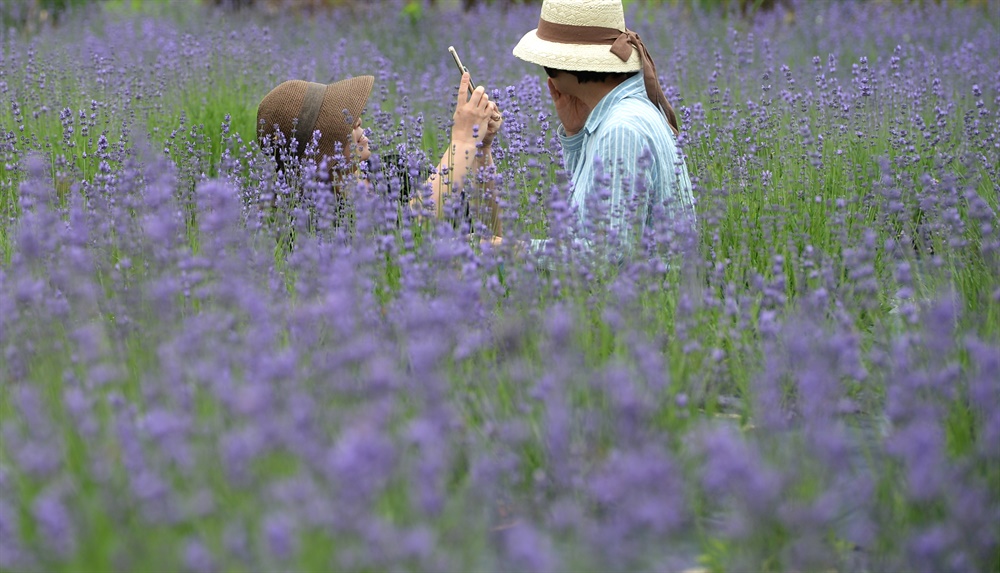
330, 108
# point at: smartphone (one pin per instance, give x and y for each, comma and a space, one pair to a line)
461, 69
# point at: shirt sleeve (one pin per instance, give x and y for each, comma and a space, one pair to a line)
572, 148
616, 199
624, 175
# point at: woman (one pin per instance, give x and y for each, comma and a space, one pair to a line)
295, 109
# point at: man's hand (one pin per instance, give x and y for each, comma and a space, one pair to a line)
572, 112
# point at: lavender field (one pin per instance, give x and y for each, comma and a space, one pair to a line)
192, 380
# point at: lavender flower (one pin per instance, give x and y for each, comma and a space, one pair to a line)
317, 374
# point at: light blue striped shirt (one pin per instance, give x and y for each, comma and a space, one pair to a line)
625, 147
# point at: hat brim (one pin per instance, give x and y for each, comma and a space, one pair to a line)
357, 90
342, 106
573, 57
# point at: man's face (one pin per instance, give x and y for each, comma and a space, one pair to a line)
565, 83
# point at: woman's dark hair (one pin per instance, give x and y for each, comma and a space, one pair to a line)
588, 77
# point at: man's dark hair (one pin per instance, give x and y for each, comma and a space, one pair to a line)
588, 77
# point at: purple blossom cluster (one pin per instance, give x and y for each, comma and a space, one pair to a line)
208, 364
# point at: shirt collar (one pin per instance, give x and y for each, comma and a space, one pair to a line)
629, 88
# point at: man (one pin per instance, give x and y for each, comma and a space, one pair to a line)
618, 131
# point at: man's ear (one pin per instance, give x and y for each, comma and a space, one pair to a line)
553, 90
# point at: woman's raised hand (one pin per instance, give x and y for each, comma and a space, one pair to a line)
474, 110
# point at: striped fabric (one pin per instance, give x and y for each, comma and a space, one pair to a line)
625, 148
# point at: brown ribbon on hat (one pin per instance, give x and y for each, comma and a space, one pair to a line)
622, 44
311, 105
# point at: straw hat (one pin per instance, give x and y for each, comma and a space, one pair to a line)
562, 52
330, 108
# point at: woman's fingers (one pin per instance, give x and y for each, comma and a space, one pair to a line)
463, 87
479, 98
494, 112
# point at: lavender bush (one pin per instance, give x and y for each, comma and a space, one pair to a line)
194, 380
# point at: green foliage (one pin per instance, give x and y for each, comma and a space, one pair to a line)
414, 11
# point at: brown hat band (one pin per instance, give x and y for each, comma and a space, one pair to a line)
621, 44
310, 111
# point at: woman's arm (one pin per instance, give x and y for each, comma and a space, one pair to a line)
491, 205
473, 125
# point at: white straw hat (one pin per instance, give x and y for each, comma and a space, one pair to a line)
567, 43
590, 36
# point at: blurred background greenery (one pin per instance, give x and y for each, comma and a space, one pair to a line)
29, 15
